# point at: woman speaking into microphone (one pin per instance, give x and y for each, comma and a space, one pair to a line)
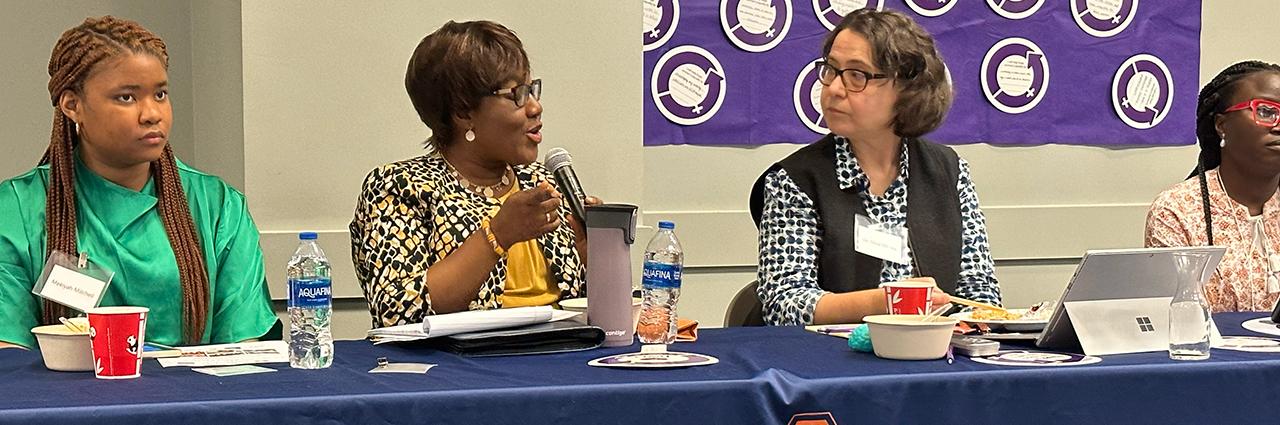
885, 87
475, 223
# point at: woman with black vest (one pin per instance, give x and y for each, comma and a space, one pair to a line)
885, 87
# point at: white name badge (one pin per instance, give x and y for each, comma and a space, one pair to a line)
888, 243
73, 289
74, 283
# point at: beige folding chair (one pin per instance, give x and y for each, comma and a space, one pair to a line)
745, 309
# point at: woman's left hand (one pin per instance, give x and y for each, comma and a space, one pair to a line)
940, 298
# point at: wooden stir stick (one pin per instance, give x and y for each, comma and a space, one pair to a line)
969, 303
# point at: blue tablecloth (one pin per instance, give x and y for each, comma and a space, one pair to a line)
765, 375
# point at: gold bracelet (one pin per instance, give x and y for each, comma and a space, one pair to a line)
493, 240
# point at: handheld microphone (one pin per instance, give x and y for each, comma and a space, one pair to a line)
561, 166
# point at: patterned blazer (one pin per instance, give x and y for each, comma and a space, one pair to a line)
413, 213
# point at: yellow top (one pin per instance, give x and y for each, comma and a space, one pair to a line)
528, 280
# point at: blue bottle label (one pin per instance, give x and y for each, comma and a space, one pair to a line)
309, 293
658, 275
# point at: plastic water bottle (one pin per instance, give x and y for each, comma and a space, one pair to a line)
663, 264
310, 340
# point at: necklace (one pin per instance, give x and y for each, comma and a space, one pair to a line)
1270, 260
490, 191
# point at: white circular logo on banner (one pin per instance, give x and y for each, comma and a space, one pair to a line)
1103, 18
755, 25
688, 85
830, 12
1015, 9
931, 8
1142, 91
1015, 75
660, 20
807, 97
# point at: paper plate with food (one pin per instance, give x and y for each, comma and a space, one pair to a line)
1011, 320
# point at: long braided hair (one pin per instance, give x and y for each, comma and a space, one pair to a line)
74, 58
1213, 100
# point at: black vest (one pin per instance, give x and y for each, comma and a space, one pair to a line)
933, 214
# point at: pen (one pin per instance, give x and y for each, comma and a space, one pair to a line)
831, 330
950, 357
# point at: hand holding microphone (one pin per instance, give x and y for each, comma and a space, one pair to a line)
560, 164
526, 215
531, 213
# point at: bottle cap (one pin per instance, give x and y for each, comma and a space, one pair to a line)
307, 236
666, 225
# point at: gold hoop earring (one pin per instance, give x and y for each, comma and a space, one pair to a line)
77, 128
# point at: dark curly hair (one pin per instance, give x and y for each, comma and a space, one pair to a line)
904, 50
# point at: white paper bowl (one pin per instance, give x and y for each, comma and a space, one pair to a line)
64, 350
580, 305
905, 337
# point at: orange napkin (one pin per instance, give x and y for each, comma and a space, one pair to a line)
686, 330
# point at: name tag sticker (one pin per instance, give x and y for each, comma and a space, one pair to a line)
73, 282
888, 243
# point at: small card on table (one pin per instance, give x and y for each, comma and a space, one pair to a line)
232, 370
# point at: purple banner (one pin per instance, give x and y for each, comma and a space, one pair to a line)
1080, 72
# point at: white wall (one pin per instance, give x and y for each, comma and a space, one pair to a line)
298, 100
28, 31
217, 89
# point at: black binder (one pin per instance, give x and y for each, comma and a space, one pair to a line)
542, 338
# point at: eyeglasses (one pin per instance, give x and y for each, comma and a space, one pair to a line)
1265, 112
521, 93
854, 80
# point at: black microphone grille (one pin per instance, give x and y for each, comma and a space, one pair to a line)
556, 158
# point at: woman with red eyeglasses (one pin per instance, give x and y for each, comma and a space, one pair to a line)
1231, 198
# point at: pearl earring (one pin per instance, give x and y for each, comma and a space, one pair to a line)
77, 128
471, 135
1223, 143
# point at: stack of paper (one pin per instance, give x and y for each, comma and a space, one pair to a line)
230, 354
468, 321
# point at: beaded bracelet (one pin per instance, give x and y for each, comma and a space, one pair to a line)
493, 240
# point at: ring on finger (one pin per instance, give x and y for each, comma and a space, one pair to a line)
548, 217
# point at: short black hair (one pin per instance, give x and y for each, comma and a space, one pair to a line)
453, 67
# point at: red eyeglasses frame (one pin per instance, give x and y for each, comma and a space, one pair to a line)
1252, 106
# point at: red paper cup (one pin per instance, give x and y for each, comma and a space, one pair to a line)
116, 334
908, 297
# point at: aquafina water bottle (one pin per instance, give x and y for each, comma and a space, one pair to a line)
663, 264
310, 341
